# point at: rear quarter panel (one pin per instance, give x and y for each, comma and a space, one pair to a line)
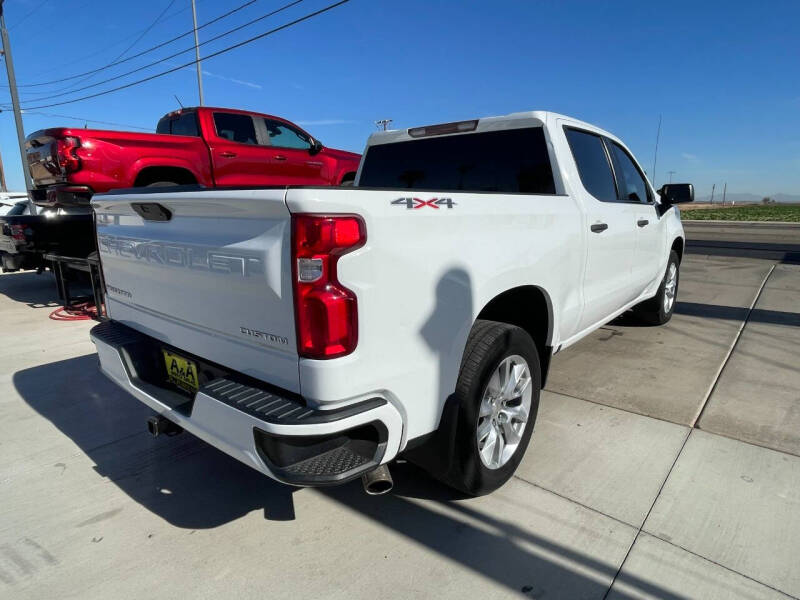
423, 277
113, 159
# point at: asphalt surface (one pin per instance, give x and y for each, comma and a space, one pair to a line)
665, 463
770, 241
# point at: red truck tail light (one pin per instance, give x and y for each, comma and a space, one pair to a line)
326, 312
66, 154
17, 232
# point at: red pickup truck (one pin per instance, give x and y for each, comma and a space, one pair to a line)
214, 147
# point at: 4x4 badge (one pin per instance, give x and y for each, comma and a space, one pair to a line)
415, 203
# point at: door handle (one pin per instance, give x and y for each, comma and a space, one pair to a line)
642, 222
279, 157
599, 227
227, 154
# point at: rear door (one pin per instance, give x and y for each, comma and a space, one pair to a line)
238, 157
650, 241
292, 159
213, 279
611, 229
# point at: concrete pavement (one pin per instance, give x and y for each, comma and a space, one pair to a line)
617, 495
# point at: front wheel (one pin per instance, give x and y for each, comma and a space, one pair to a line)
498, 397
658, 310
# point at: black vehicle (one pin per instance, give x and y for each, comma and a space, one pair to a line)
26, 238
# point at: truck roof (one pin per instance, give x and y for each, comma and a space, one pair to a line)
212, 109
516, 120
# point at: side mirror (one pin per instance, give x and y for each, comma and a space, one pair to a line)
316, 147
676, 193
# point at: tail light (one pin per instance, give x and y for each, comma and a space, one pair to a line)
326, 312
18, 232
66, 154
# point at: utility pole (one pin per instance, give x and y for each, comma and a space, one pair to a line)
383, 124
12, 85
671, 173
724, 193
713, 185
655, 154
2, 175
197, 55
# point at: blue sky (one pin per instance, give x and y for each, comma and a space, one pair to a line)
724, 75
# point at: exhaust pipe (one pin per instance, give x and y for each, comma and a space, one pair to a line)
378, 481
158, 425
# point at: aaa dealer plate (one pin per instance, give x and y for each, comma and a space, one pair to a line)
181, 371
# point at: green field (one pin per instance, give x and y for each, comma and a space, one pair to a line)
772, 212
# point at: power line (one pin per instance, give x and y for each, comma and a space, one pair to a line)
146, 31
192, 62
136, 41
106, 47
116, 61
166, 58
29, 14
47, 114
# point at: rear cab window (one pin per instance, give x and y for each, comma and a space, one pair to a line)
235, 127
506, 161
184, 123
20, 208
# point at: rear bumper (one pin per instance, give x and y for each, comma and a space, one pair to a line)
7, 244
11, 262
13, 259
270, 430
64, 195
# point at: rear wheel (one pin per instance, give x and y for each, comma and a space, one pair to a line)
498, 396
658, 309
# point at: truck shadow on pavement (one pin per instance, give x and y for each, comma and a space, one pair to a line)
733, 313
494, 545
192, 485
26, 287
182, 479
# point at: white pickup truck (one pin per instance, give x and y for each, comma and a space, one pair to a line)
316, 334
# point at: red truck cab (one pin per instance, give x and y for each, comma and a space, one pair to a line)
213, 147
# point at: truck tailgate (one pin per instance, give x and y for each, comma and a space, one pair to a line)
212, 277
42, 155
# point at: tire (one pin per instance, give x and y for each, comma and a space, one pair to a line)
490, 346
658, 309
162, 184
347, 183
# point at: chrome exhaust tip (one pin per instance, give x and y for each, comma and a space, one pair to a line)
378, 481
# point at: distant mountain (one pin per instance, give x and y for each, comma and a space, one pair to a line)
786, 198
742, 198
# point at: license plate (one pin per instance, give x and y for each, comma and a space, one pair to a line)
181, 371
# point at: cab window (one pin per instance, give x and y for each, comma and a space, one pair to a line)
630, 181
235, 127
591, 159
20, 208
285, 136
183, 124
